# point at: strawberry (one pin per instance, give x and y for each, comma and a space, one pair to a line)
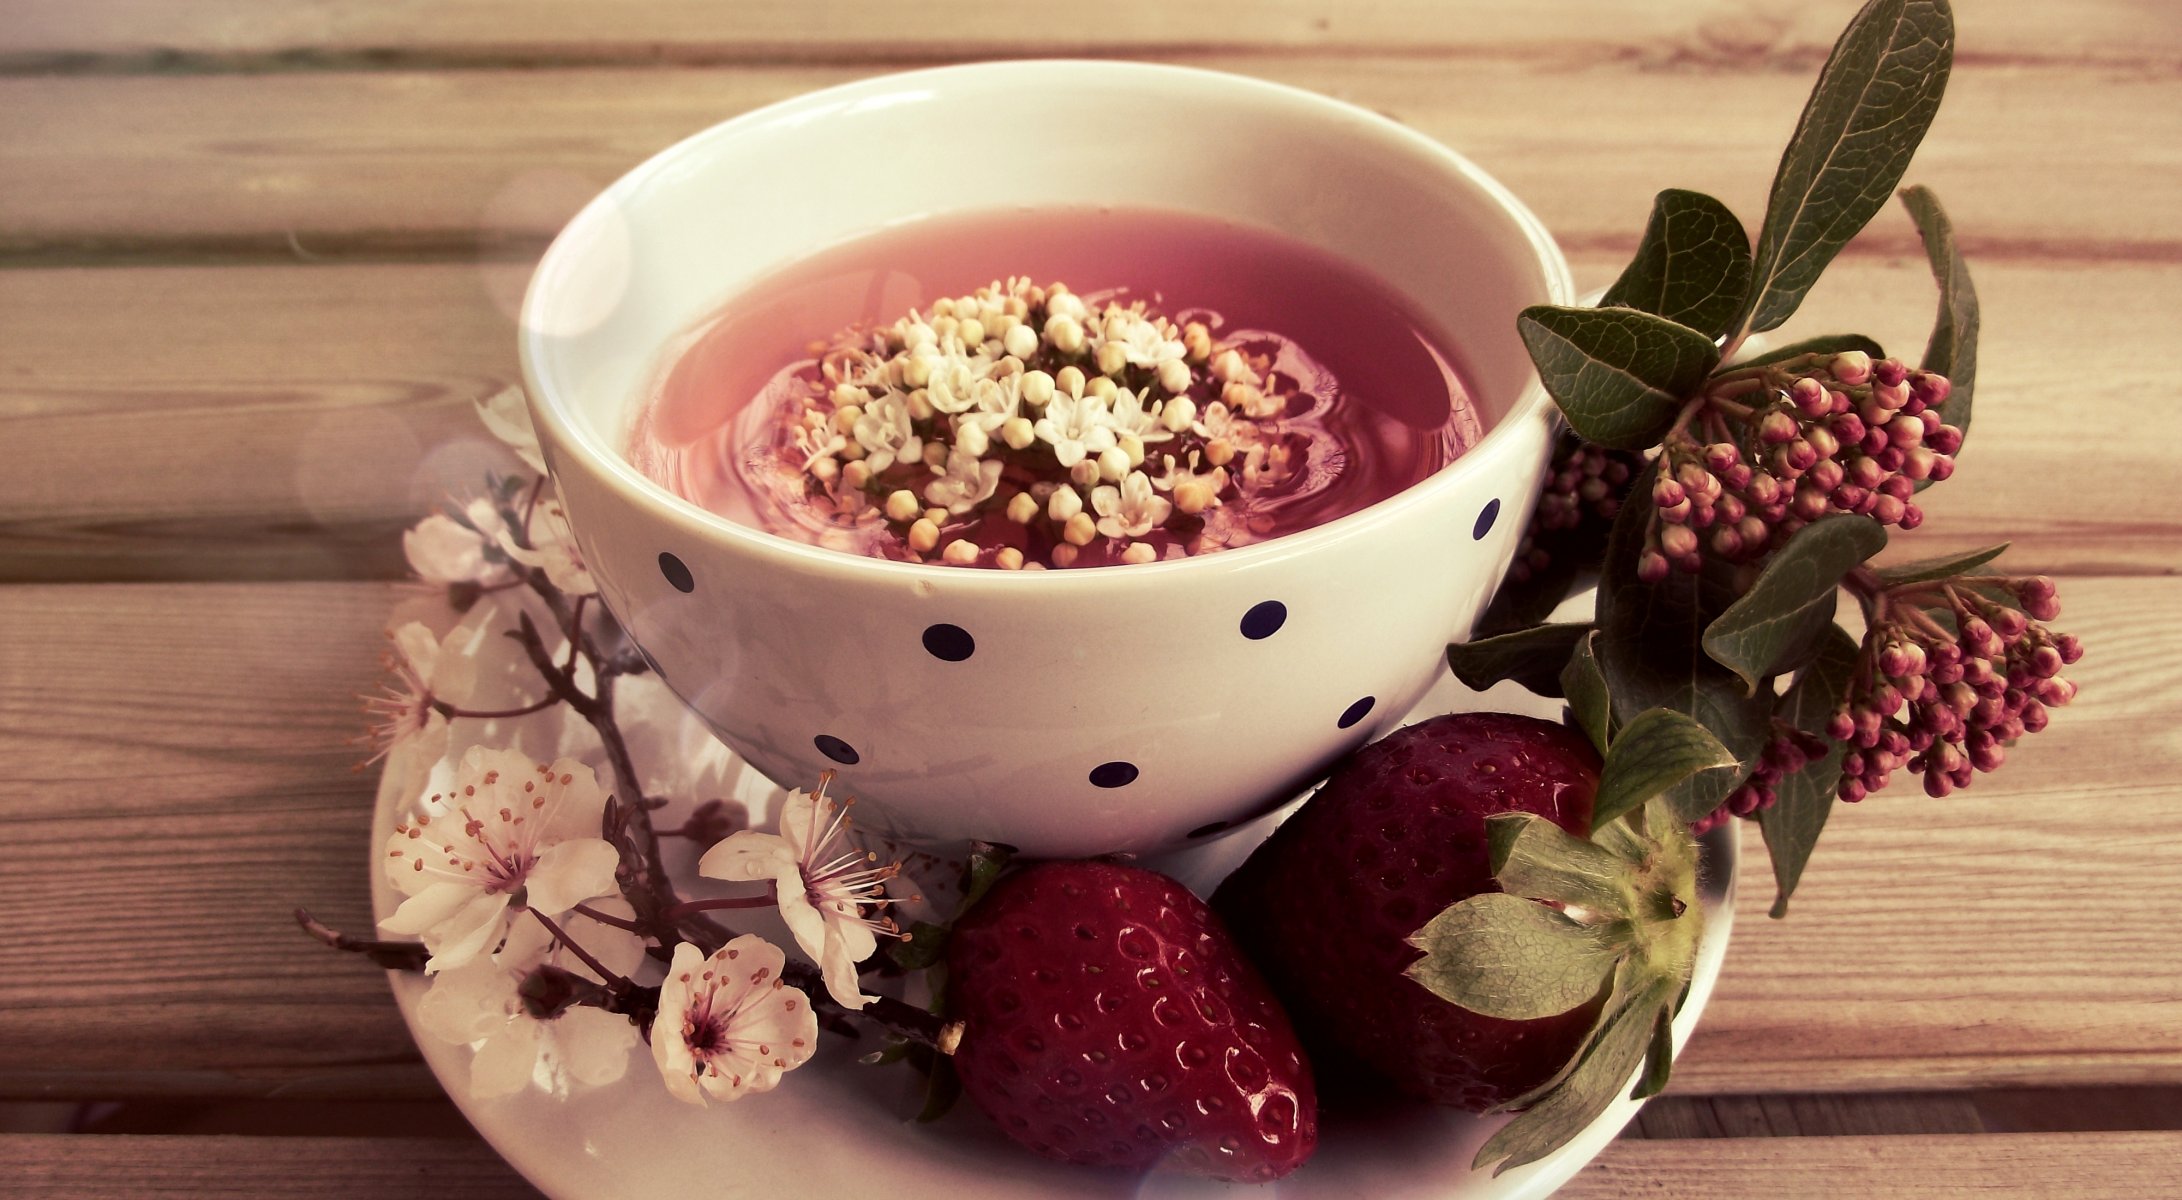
1108, 1020
1485, 915
1327, 906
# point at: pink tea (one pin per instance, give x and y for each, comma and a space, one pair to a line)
1054, 388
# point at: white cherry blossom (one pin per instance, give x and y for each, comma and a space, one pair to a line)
443, 550
553, 548
479, 1005
507, 415
822, 882
508, 835
427, 670
1131, 510
727, 1025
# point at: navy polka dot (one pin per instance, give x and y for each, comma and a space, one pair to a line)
1205, 831
1485, 520
1264, 620
1356, 712
1113, 774
677, 572
836, 749
950, 643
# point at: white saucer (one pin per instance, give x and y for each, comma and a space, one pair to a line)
836, 1128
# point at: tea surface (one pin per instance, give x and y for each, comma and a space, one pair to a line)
1311, 391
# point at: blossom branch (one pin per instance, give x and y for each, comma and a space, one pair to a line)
394, 956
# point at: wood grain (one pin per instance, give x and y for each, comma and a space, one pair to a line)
2084, 1166
2035, 160
179, 774
151, 442
2120, 1166
64, 1167
147, 34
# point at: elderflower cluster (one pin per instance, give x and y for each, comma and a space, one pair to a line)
1023, 427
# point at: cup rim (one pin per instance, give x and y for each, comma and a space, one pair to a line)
1531, 404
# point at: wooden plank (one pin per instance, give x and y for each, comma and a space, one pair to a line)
64, 34
179, 773
2082, 1166
2092, 1166
156, 434
69, 1167
2037, 160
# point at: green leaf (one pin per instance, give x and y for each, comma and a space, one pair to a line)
1656, 751
1515, 959
1560, 1114
1947, 566
1782, 613
1619, 375
1585, 686
981, 872
1952, 350
1659, 1056
1874, 99
927, 944
1535, 858
1651, 650
1693, 266
941, 1089
1824, 346
1805, 799
1532, 657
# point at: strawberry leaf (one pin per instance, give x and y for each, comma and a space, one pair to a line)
1515, 959
1779, 618
1601, 1072
1619, 375
1946, 566
1693, 266
1585, 686
1532, 657
1535, 858
1657, 751
1659, 1057
1804, 800
1874, 99
1952, 350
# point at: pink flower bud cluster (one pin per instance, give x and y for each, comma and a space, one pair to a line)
1945, 697
1849, 435
1789, 752
1583, 483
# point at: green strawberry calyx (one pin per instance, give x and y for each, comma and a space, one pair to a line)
1617, 916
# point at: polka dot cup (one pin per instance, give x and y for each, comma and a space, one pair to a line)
1125, 708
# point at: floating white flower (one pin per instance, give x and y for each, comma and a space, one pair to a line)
1217, 421
1128, 415
885, 433
1131, 510
966, 482
426, 672
552, 547
509, 834
507, 415
953, 385
819, 443
1147, 345
480, 1004
821, 881
997, 399
1070, 421
727, 1025
443, 550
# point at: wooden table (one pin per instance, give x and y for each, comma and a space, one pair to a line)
257, 258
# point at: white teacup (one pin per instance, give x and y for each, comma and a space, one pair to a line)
1125, 708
